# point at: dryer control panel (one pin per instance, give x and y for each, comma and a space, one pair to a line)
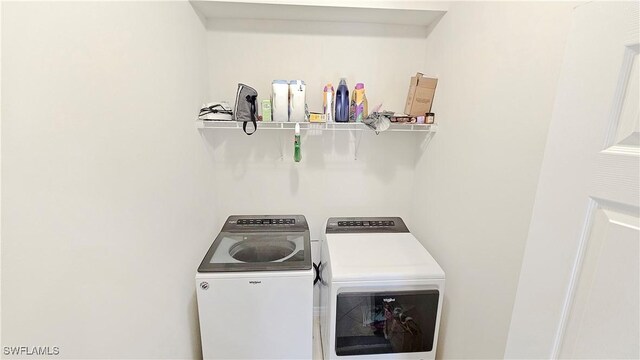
344, 225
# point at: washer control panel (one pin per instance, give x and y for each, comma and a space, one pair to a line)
280, 221
344, 225
265, 223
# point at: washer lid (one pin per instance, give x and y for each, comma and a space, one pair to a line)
260, 243
371, 257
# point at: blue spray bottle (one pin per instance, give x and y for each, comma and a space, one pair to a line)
342, 102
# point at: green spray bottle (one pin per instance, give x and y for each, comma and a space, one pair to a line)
297, 152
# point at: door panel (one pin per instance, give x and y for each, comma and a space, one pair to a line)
625, 125
603, 321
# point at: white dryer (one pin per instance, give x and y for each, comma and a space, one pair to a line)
255, 290
381, 291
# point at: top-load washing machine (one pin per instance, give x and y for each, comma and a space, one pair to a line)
255, 290
381, 291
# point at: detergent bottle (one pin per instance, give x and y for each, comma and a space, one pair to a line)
342, 102
359, 106
327, 102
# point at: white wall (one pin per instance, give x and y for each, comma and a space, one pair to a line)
257, 174
107, 187
498, 64
1, 7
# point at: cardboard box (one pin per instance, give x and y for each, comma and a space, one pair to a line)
420, 97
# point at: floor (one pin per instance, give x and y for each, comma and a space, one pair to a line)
317, 345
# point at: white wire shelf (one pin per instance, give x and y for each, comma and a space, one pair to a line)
333, 126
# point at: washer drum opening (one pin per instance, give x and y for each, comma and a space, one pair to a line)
262, 250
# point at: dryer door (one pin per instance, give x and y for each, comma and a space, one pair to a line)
385, 322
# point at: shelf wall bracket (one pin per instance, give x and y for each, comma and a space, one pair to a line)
357, 138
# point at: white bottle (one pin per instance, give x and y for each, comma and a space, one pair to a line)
327, 102
297, 101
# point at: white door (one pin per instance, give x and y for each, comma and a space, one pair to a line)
579, 283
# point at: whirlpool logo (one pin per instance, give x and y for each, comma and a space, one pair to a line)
388, 300
255, 282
